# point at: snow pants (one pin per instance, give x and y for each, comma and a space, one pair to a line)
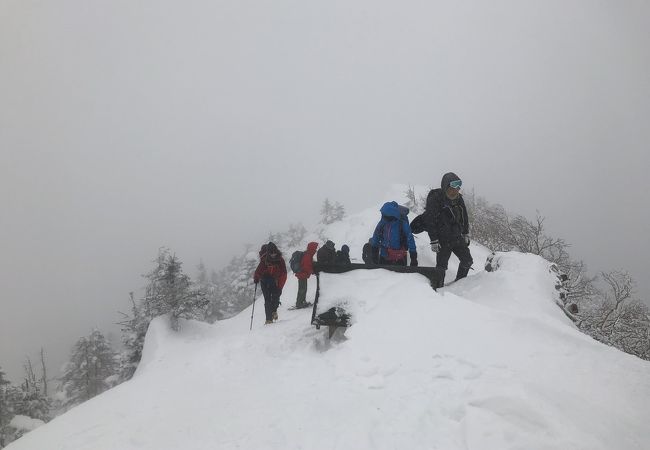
461, 250
301, 299
271, 293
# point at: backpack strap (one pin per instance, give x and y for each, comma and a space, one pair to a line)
403, 238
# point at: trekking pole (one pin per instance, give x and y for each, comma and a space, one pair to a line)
313, 311
253, 312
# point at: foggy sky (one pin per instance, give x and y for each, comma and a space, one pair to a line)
202, 126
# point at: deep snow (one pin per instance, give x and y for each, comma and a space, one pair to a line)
489, 362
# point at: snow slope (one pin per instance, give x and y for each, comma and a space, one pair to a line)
489, 362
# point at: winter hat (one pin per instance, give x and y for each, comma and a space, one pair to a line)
448, 178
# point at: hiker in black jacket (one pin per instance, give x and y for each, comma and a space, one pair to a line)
327, 253
343, 255
446, 222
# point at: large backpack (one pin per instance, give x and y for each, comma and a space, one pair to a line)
294, 262
388, 231
418, 225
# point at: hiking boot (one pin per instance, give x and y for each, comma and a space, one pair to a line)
268, 322
275, 315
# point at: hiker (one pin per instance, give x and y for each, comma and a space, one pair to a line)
306, 269
446, 222
366, 253
327, 253
271, 273
343, 255
392, 237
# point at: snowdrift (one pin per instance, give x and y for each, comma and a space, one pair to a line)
489, 362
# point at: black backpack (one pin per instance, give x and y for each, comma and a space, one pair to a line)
294, 262
417, 225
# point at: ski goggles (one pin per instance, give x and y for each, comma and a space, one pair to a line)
456, 184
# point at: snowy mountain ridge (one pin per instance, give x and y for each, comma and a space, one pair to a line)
489, 362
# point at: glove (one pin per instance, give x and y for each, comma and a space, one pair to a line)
466, 239
256, 281
435, 246
414, 259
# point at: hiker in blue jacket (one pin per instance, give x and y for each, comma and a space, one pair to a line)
393, 237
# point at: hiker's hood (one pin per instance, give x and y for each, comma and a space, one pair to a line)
262, 250
311, 247
390, 209
448, 178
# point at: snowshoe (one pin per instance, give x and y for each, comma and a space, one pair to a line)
304, 305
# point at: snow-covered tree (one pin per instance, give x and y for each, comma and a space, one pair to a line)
91, 364
43, 379
326, 211
287, 240
493, 227
614, 316
295, 235
578, 284
413, 203
331, 212
27, 400
202, 275
33, 402
233, 290
6, 411
488, 223
170, 292
134, 330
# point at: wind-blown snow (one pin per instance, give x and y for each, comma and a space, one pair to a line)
489, 362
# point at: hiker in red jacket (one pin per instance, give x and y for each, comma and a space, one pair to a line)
272, 273
306, 269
